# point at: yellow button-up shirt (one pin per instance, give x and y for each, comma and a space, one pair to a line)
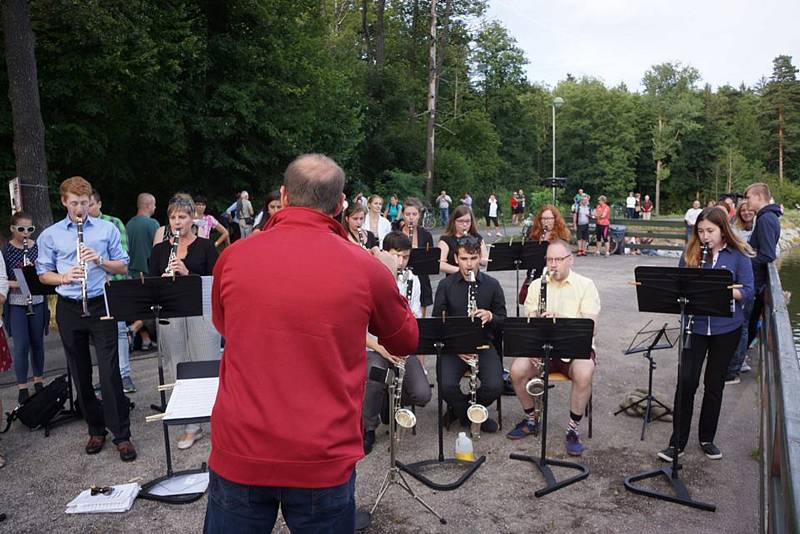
576, 297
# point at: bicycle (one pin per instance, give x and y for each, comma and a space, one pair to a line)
428, 218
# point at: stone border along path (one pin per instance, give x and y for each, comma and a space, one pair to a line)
43, 474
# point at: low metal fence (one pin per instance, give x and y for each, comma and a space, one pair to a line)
780, 415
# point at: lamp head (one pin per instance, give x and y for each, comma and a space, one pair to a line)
558, 102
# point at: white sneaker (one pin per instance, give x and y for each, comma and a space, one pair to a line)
745, 368
188, 439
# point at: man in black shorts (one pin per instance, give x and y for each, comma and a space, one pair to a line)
580, 223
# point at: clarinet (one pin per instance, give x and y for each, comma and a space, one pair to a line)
690, 319
82, 264
173, 253
26, 262
476, 413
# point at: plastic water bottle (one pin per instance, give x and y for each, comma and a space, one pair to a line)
464, 449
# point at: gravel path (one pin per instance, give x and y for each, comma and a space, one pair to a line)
43, 474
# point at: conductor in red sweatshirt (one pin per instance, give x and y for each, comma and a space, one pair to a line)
293, 303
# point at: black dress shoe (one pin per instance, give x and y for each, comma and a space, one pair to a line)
369, 441
127, 453
95, 444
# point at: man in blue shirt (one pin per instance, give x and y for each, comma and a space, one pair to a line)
58, 265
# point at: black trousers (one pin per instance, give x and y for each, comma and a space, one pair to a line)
490, 374
720, 349
75, 332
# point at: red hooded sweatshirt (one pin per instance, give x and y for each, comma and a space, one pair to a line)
294, 303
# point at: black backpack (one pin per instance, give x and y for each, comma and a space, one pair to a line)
43, 406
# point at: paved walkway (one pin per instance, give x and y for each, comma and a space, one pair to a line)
43, 474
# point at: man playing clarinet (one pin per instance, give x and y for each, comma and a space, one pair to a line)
79, 269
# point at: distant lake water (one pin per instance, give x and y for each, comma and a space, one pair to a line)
790, 280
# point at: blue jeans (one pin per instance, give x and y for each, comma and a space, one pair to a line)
249, 509
122, 347
27, 334
444, 215
741, 350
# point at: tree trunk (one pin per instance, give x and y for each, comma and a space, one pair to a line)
23, 92
365, 28
380, 54
730, 172
431, 127
658, 188
658, 169
780, 144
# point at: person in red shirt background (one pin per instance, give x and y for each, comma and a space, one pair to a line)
602, 215
286, 425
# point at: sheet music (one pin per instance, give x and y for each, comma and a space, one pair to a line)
208, 281
180, 485
120, 500
192, 398
23, 284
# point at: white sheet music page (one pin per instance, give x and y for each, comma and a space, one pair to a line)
192, 398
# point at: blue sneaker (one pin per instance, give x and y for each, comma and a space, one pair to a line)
574, 445
524, 428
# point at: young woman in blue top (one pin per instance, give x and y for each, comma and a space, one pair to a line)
715, 337
26, 317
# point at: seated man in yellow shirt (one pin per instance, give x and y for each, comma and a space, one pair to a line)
568, 295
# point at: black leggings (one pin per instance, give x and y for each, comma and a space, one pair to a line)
720, 349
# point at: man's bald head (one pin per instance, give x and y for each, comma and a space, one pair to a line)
144, 200
314, 181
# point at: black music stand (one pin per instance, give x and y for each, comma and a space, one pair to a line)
549, 338
650, 340
446, 336
163, 297
680, 291
425, 260
516, 255
36, 287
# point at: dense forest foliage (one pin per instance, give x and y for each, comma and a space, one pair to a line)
214, 96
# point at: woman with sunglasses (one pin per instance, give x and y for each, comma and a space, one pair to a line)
27, 316
186, 338
462, 223
713, 245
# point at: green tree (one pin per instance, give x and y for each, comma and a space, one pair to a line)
669, 87
781, 105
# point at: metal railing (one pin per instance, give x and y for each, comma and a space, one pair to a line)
780, 415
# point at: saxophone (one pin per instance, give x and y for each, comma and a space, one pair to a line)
82, 263
535, 386
403, 417
173, 252
476, 413
26, 262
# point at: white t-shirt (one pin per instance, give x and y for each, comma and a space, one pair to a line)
492, 209
691, 215
630, 202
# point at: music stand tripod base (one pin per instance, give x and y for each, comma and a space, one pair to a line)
415, 470
543, 464
681, 493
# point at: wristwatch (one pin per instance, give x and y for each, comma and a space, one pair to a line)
100, 261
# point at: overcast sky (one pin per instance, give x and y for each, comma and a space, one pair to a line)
728, 41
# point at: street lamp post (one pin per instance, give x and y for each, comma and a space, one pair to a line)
557, 103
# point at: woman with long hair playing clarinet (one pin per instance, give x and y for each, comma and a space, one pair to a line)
185, 338
420, 238
354, 217
713, 245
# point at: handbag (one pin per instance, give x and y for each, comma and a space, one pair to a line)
5, 352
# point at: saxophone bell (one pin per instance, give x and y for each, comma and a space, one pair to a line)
535, 387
